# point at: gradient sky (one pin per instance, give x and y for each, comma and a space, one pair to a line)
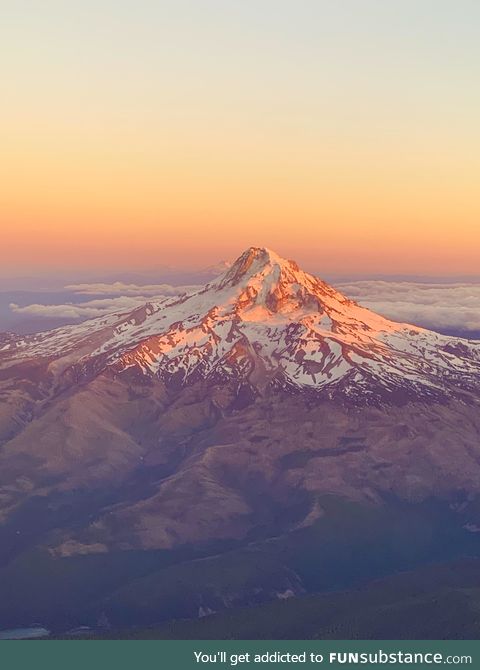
342, 133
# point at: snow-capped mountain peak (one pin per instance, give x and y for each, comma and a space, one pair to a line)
255, 261
264, 324
260, 278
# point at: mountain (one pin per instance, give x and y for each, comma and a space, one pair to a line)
216, 269
233, 414
262, 324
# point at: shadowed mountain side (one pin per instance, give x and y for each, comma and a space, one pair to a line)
435, 602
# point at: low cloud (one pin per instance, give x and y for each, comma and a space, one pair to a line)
444, 306
129, 296
84, 310
122, 289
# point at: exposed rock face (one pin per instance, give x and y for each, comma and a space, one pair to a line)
230, 411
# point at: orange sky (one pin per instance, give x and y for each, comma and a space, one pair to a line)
346, 139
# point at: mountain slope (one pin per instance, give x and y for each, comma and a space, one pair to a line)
226, 414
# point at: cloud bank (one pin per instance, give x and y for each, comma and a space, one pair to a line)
121, 289
436, 306
84, 310
129, 296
